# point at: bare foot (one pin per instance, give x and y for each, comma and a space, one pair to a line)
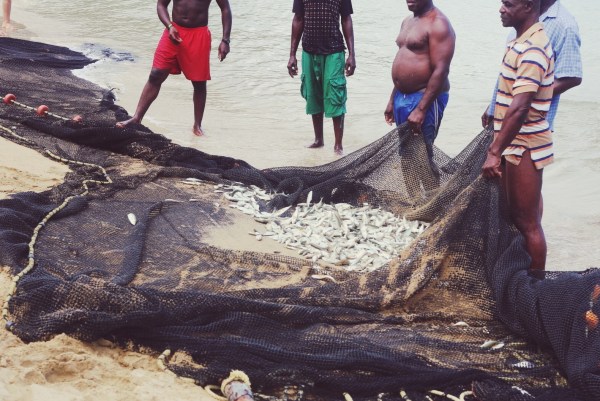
338, 150
316, 144
6, 29
126, 123
198, 131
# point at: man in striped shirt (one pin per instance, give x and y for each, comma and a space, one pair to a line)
522, 135
563, 31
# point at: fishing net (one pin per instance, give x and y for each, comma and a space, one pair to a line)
455, 307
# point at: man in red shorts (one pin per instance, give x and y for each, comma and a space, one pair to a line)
184, 47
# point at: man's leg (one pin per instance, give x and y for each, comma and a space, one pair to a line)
149, 94
199, 105
317, 120
338, 131
524, 191
335, 95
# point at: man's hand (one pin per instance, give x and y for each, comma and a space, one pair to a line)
491, 167
174, 35
415, 120
388, 114
350, 65
486, 117
223, 50
292, 66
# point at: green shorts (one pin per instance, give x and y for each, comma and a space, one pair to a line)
324, 83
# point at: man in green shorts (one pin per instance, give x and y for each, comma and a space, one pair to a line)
324, 69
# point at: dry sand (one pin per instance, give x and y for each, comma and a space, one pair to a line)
65, 369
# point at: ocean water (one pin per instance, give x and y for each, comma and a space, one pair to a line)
255, 112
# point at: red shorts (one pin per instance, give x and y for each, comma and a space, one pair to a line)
191, 56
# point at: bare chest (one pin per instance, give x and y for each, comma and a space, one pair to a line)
414, 37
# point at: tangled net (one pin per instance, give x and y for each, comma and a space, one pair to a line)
454, 307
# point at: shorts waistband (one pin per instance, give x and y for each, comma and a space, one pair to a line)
183, 28
419, 92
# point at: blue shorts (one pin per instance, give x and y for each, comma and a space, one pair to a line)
404, 104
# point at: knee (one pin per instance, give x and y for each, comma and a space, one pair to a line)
528, 225
157, 77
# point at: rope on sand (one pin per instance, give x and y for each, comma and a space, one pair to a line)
41, 110
31, 254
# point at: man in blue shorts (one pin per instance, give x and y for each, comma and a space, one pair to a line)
324, 70
420, 71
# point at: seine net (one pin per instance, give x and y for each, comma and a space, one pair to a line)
456, 307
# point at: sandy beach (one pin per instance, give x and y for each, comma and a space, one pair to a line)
64, 368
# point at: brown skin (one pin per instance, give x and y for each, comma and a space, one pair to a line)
317, 119
561, 85
189, 14
425, 49
522, 182
6, 27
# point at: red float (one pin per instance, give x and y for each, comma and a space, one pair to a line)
42, 110
77, 118
9, 98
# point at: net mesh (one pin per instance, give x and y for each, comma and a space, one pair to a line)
159, 284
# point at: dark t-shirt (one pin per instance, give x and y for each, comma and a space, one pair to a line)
322, 33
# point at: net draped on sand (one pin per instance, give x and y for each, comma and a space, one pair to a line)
88, 272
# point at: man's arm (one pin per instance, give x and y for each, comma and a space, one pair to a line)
488, 115
561, 85
162, 9
226, 20
348, 30
441, 51
511, 125
568, 65
163, 12
297, 29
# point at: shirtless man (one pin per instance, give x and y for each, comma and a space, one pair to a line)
420, 71
184, 47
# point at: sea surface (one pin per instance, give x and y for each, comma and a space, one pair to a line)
254, 110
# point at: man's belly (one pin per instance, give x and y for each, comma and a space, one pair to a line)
411, 72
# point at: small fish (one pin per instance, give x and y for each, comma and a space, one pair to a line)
523, 365
489, 344
281, 211
324, 277
132, 218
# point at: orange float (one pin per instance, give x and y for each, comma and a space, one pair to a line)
596, 293
9, 98
591, 320
42, 110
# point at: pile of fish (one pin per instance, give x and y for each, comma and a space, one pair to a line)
359, 238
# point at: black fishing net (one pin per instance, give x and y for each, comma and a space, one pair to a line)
83, 269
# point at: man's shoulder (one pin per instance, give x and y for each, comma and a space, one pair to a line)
565, 19
441, 23
539, 38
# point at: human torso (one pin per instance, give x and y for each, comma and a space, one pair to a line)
190, 13
528, 63
412, 69
322, 33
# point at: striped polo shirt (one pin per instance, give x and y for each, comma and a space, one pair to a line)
528, 66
